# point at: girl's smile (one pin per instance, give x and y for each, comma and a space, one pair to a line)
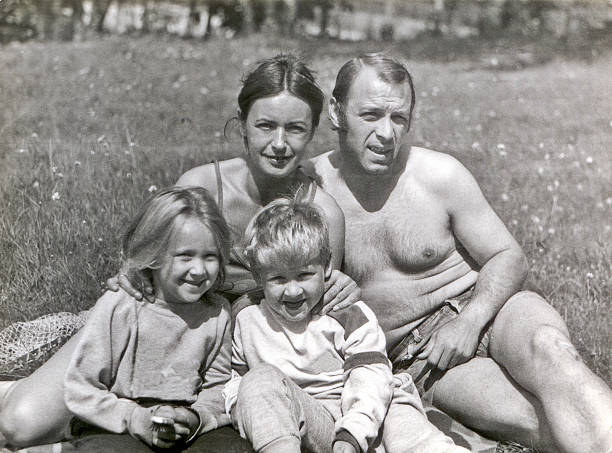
191, 263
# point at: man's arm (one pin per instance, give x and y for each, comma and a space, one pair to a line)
490, 244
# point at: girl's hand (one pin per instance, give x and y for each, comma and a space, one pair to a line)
186, 423
154, 426
341, 291
122, 281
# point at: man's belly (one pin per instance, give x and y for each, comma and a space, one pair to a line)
401, 300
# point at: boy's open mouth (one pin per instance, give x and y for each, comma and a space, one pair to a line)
294, 305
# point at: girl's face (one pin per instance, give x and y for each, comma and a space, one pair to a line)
191, 264
277, 130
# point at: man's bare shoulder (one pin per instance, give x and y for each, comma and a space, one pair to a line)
434, 169
321, 162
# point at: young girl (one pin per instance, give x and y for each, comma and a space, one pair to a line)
156, 370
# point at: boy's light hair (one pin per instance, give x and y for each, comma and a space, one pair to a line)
287, 232
146, 241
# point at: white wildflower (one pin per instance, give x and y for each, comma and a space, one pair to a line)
152, 188
55, 196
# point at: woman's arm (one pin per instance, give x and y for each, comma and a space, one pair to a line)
340, 289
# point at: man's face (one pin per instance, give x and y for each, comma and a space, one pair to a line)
374, 121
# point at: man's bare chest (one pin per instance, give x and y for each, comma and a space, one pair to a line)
410, 232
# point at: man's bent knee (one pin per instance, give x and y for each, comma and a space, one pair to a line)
550, 345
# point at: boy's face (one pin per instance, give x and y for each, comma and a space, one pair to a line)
293, 291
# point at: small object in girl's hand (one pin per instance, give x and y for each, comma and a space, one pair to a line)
163, 425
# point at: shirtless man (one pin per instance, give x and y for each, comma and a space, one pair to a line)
420, 232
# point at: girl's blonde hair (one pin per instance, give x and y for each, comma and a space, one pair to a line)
146, 241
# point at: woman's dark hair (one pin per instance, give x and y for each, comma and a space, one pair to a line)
275, 75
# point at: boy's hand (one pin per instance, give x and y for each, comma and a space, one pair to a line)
341, 446
122, 281
186, 423
154, 426
341, 291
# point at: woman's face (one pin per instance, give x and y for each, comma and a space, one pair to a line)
277, 130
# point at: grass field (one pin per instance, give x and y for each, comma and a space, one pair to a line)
88, 129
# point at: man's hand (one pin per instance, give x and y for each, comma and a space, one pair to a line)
341, 291
450, 345
341, 446
122, 281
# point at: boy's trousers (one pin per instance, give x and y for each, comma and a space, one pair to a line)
276, 415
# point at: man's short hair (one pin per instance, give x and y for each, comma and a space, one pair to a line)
287, 232
387, 68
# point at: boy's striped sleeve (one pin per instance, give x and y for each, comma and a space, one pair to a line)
368, 379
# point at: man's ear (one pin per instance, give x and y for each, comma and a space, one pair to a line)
335, 114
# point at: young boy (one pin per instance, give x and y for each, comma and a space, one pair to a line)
301, 380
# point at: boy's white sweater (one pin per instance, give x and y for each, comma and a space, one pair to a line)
339, 356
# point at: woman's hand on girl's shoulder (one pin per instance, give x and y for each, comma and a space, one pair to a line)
121, 281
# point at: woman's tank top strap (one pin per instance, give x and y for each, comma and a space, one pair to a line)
312, 191
308, 188
219, 185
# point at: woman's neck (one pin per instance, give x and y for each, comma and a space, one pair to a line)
263, 188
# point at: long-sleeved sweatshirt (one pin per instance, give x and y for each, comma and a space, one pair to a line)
134, 351
339, 356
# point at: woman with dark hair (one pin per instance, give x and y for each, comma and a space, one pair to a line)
279, 107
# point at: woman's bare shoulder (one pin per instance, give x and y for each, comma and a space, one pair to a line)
205, 175
329, 205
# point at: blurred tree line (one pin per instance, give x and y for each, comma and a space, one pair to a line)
76, 19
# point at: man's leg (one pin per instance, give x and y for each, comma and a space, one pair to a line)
32, 411
482, 396
278, 416
530, 340
544, 392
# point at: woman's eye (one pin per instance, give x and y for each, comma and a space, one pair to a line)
264, 126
